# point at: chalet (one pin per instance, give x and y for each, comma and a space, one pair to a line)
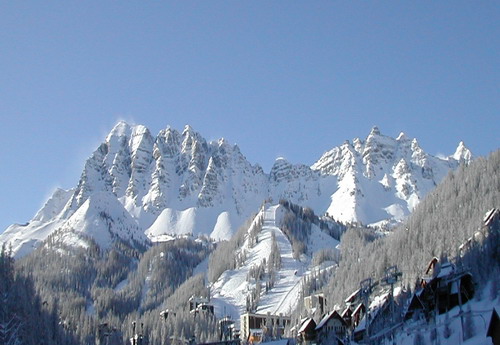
252, 326
306, 334
444, 286
357, 315
494, 328
332, 326
200, 305
353, 314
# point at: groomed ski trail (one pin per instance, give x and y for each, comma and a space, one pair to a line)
284, 296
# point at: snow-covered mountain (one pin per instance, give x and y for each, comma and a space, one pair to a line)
382, 179
178, 183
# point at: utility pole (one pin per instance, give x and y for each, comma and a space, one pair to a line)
390, 278
366, 287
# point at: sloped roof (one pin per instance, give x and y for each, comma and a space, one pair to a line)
309, 322
358, 308
330, 315
352, 296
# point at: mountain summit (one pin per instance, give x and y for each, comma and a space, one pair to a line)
179, 183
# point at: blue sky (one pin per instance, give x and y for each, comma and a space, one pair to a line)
279, 78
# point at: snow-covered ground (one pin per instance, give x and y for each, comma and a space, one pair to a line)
448, 328
478, 322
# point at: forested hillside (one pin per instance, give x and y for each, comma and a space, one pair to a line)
441, 223
67, 294
26, 318
86, 288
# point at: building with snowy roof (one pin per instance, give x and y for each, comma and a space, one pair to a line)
331, 328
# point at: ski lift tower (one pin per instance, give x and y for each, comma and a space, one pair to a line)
365, 290
390, 278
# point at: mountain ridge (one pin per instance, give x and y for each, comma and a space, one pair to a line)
175, 172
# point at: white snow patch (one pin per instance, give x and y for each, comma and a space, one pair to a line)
397, 212
223, 228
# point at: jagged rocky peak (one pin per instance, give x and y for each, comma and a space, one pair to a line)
374, 131
462, 154
121, 129
194, 150
167, 143
189, 138
402, 137
339, 160
280, 169
379, 149
357, 144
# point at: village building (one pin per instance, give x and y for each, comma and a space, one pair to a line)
353, 314
227, 329
253, 326
445, 287
315, 303
306, 335
331, 328
199, 305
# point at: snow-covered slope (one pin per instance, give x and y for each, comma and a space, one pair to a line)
178, 183
230, 291
101, 217
24, 238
